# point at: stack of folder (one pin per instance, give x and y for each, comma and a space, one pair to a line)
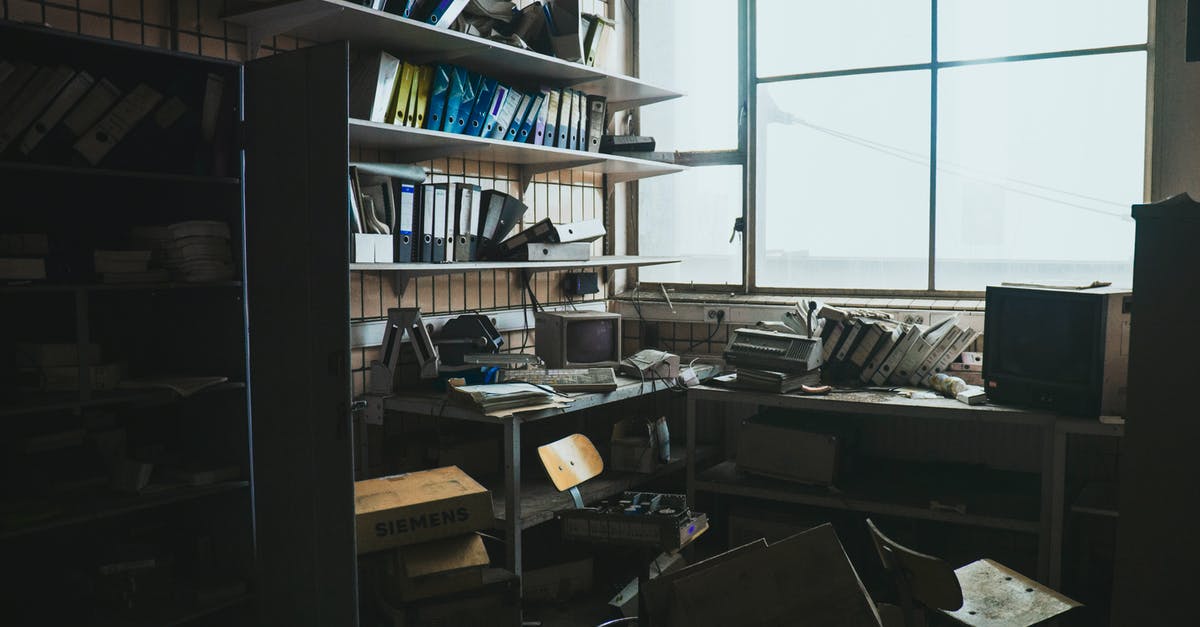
451, 99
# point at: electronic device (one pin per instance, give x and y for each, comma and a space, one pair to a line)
772, 350
1058, 349
578, 339
626, 143
467, 334
581, 283
651, 364
565, 379
662, 521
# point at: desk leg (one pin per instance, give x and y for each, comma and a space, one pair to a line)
691, 451
1058, 507
1047, 510
512, 494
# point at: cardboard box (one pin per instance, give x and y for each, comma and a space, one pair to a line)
417, 507
559, 582
626, 601
791, 454
372, 248
435, 568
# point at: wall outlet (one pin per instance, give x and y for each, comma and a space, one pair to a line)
713, 315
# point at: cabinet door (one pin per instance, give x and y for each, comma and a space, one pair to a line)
297, 268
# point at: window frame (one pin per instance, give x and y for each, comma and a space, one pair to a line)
745, 153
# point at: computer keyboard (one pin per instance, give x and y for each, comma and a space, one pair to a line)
565, 380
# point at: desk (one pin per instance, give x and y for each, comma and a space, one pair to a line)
521, 507
1053, 430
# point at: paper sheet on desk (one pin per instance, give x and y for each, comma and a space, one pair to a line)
503, 389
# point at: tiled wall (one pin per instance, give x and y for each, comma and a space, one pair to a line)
195, 26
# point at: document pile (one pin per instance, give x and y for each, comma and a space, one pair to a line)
197, 251
873, 348
504, 398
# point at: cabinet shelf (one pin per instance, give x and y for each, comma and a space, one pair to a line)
17, 167
418, 144
49, 402
78, 509
336, 20
894, 489
113, 287
405, 271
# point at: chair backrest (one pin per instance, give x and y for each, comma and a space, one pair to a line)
571, 461
928, 579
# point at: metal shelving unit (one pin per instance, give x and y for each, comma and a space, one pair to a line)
338, 20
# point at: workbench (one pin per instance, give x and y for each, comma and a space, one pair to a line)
1045, 520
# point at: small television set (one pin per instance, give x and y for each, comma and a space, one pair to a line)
578, 339
1062, 350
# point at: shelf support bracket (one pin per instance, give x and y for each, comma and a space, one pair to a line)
282, 19
527, 171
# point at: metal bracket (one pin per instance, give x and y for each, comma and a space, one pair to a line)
577, 497
290, 16
526, 172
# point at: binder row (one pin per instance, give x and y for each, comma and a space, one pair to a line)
450, 99
429, 222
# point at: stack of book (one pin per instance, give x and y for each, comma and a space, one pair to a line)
874, 349
126, 266
451, 99
23, 256
199, 251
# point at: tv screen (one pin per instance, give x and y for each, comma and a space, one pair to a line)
1045, 338
590, 341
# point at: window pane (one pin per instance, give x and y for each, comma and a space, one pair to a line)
974, 29
796, 37
1039, 163
691, 47
843, 182
691, 214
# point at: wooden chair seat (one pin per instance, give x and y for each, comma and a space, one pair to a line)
997, 596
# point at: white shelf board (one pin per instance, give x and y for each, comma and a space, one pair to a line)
409, 270
337, 20
418, 144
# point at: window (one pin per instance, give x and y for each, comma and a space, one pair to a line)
924, 145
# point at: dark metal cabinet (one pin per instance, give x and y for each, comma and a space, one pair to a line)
297, 269
1157, 540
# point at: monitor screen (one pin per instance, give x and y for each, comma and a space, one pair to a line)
590, 341
1052, 339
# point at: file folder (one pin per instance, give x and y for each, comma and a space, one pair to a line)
595, 122
578, 114
441, 205
539, 126
483, 102
404, 223
564, 120
471, 83
501, 213
428, 198
436, 116
494, 107
454, 96
464, 201
410, 115
445, 12
372, 83
474, 224
504, 116
552, 109
522, 112
424, 85
401, 96
525, 132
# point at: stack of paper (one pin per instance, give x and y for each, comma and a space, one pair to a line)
127, 266
773, 381
199, 251
502, 396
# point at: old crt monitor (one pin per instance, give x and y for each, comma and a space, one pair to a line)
578, 339
1058, 349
